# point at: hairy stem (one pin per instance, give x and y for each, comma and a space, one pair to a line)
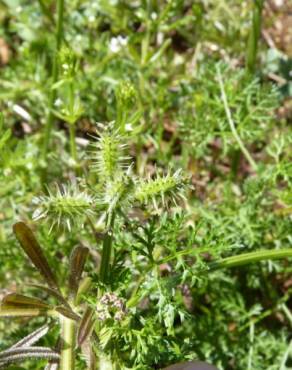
231, 122
68, 338
52, 96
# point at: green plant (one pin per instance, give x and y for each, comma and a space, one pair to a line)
55, 72
107, 324
170, 74
254, 35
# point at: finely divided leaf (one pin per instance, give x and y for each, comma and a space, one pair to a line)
33, 250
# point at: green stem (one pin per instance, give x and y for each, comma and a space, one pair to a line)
106, 253
46, 11
231, 122
254, 35
52, 97
68, 338
73, 149
247, 258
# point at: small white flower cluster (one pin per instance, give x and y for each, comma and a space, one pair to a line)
111, 306
117, 43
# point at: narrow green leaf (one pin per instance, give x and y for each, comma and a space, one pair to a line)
33, 250
247, 258
77, 262
86, 326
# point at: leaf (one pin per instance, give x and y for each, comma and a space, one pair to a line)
19, 300
86, 326
67, 313
53, 292
18, 305
20, 354
33, 250
5, 137
32, 338
18, 312
77, 262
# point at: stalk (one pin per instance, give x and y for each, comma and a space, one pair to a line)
254, 35
73, 150
232, 125
72, 130
68, 340
106, 253
247, 258
52, 96
46, 11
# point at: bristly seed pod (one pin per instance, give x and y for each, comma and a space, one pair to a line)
68, 206
107, 155
170, 185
